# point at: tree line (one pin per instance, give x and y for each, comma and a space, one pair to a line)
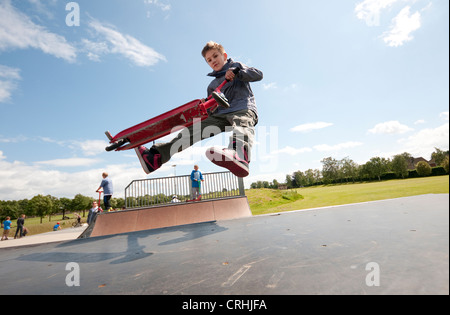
377, 168
42, 206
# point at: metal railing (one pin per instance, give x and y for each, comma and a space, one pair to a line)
160, 191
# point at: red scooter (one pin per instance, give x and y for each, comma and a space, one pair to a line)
171, 121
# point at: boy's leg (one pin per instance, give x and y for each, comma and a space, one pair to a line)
160, 153
106, 201
237, 156
195, 193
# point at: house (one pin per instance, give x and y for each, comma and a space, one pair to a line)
413, 162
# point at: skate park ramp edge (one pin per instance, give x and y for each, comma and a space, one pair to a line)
109, 223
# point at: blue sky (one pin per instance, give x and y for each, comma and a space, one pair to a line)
355, 79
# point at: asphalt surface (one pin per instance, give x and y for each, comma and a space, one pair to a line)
397, 246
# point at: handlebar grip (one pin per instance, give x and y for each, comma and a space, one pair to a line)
235, 71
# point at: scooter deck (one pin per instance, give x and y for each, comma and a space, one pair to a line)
162, 125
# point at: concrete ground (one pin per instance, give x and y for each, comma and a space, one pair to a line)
397, 246
50, 237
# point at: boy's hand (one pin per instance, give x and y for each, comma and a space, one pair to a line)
229, 76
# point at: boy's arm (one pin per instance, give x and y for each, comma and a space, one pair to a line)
247, 74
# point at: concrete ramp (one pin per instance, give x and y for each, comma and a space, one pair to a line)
169, 215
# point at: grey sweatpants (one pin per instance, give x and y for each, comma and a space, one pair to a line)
241, 123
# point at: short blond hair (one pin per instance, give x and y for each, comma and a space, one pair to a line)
212, 45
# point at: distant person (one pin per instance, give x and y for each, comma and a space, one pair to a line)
107, 186
78, 218
20, 224
57, 227
175, 199
92, 212
196, 178
6, 225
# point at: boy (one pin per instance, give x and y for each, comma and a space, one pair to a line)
107, 186
242, 117
92, 212
57, 227
6, 225
196, 178
20, 224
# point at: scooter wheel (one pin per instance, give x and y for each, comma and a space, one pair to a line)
221, 100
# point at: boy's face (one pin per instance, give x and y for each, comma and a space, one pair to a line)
215, 59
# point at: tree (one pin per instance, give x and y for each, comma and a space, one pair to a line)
423, 168
66, 204
349, 169
289, 184
275, 184
56, 206
445, 164
81, 203
299, 179
376, 167
439, 156
330, 170
40, 205
399, 164
9, 208
310, 177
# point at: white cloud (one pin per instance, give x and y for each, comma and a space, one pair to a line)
91, 147
292, 151
337, 147
444, 115
311, 126
8, 78
402, 26
424, 141
94, 49
370, 10
21, 180
17, 31
86, 147
71, 162
114, 42
158, 4
390, 127
270, 86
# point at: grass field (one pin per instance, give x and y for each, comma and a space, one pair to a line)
270, 201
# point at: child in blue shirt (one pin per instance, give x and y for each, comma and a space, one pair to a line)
57, 227
196, 178
6, 225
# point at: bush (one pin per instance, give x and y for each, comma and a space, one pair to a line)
423, 168
445, 164
438, 171
291, 195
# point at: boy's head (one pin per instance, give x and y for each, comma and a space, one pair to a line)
196, 167
215, 55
